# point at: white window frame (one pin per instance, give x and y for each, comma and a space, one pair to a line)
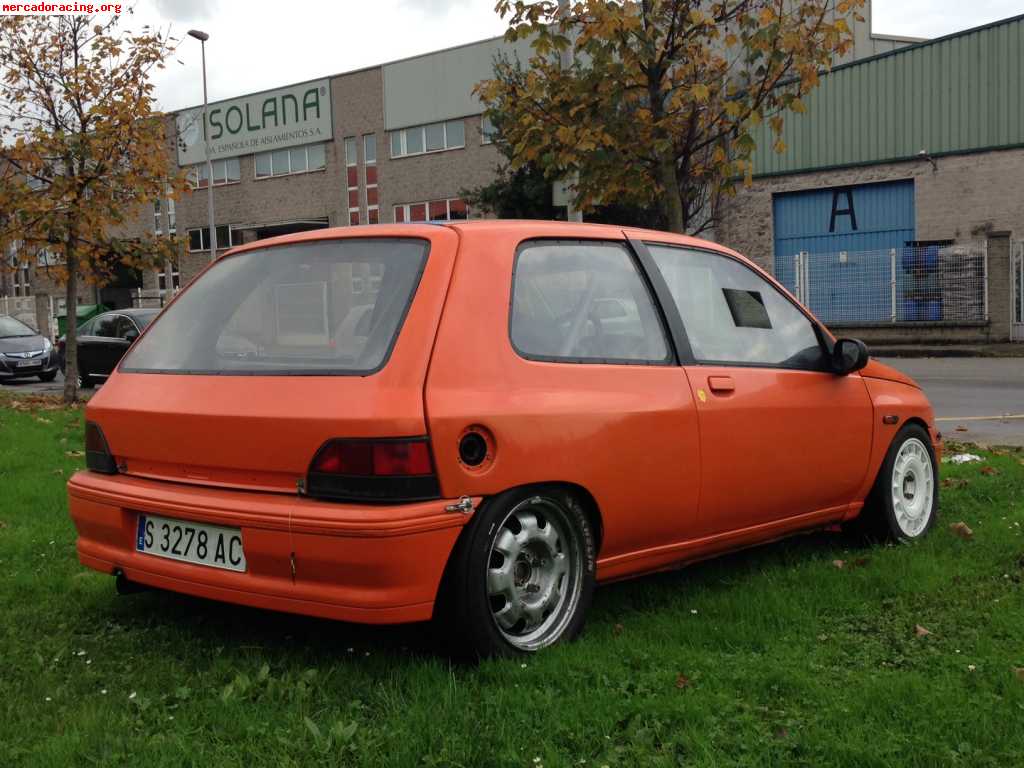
447, 209
486, 136
290, 172
175, 279
158, 224
193, 174
403, 134
172, 219
367, 186
21, 283
352, 162
220, 246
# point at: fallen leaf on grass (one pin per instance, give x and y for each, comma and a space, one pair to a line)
989, 471
920, 631
41, 420
682, 681
961, 429
781, 733
962, 530
1019, 673
74, 454
617, 629
2, 525
58, 472
955, 482
839, 563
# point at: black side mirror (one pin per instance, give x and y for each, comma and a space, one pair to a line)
131, 336
849, 355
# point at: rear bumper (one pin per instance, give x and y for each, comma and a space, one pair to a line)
368, 564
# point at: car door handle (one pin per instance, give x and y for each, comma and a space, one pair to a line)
721, 384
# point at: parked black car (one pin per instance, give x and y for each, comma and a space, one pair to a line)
23, 352
103, 340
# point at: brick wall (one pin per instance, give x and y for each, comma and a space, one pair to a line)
964, 198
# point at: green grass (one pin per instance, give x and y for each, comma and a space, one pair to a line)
773, 656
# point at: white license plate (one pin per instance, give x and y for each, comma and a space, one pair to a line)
28, 363
212, 545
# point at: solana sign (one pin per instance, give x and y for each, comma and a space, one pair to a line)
287, 117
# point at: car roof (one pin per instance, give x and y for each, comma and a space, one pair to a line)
527, 227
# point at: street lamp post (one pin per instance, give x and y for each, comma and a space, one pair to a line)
202, 37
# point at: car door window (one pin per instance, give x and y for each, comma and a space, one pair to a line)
87, 328
733, 315
126, 328
583, 301
105, 326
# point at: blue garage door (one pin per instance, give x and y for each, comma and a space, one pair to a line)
860, 222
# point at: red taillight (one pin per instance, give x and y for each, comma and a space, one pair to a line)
373, 470
365, 458
97, 453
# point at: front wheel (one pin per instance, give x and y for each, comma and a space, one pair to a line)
524, 575
905, 499
48, 376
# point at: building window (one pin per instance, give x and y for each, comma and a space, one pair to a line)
199, 239
487, 130
352, 176
172, 221
451, 209
22, 286
435, 137
158, 224
284, 162
226, 171
161, 280
370, 178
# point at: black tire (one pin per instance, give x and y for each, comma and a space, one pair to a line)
880, 520
47, 377
84, 379
466, 608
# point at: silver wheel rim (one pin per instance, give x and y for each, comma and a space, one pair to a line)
534, 574
913, 487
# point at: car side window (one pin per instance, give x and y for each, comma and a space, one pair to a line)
105, 326
583, 301
126, 328
733, 315
87, 328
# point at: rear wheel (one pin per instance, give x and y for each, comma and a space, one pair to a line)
524, 574
905, 499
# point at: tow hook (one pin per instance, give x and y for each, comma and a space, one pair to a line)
463, 505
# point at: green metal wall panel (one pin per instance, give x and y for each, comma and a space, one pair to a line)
960, 93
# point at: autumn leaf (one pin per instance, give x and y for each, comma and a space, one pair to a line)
74, 454
920, 631
961, 428
1018, 672
682, 681
617, 630
962, 530
954, 482
839, 563
989, 471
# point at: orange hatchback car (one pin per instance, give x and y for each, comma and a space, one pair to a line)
481, 420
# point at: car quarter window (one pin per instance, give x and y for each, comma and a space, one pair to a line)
733, 315
125, 327
583, 301
105, 326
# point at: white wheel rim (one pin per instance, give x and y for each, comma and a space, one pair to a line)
913, 487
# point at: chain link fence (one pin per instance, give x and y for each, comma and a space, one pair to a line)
932, 283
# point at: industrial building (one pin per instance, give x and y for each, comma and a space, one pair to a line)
906, 144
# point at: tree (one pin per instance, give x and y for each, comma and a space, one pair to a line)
657, 103
81, 150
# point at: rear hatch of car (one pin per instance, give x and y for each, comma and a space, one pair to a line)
277, 349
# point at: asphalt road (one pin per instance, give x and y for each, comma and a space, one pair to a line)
976, 399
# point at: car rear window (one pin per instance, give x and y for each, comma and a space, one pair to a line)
320, 308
